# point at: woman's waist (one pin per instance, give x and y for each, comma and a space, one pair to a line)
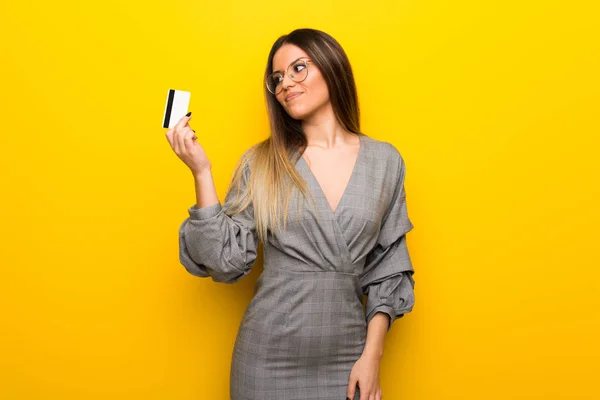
290, 266
297, 262
302, 303
307, 287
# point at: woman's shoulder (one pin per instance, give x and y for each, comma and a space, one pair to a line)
384, 151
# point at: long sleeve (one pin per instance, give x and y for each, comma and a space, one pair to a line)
211, 243
387, 276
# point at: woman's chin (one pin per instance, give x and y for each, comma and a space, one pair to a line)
298, 112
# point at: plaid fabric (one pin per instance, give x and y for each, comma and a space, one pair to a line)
305, 326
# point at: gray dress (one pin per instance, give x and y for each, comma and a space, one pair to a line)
306, 326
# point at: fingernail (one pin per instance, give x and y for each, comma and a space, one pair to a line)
188, 114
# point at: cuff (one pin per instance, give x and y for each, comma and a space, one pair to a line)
385, 309
204, 212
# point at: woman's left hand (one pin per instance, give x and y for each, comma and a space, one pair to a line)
365, 373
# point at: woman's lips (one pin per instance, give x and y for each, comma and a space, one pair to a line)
293, 96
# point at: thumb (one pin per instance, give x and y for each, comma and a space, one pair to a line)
187, 117
351, 390
183, 121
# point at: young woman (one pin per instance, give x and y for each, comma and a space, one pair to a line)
305, 334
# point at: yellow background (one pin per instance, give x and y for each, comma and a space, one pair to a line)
493, 104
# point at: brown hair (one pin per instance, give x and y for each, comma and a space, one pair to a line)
272, 160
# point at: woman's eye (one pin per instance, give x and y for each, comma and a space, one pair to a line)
298, 67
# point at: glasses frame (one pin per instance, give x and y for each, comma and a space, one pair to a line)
306, 61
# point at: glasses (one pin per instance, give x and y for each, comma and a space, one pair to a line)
297, 71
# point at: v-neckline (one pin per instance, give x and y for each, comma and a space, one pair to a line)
350, 181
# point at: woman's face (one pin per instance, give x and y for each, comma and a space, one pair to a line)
313, 90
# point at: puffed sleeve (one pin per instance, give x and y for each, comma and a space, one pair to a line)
211, 243
387, 276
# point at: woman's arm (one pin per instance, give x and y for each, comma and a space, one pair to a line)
211, 241
206, 193
365, 372
376, 330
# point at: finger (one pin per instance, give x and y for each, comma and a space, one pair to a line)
351, 389
175, 138
181, 137
188, 141
169, 135
175, 141
364, 395
178, 128
183, 121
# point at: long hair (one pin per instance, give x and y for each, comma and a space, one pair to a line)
272, 161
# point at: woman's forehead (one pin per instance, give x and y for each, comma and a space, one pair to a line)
286, 55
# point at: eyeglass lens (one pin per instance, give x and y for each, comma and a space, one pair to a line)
297, 72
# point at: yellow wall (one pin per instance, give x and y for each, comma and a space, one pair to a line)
493, 104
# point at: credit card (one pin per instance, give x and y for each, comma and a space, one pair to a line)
177, 105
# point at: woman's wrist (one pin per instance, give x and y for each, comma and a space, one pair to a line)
199, 175
376, 331
373, 353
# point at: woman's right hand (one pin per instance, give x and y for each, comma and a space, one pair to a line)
182, 139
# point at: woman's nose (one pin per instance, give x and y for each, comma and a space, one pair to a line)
287, 81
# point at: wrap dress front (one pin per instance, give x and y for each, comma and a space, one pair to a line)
306, 325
